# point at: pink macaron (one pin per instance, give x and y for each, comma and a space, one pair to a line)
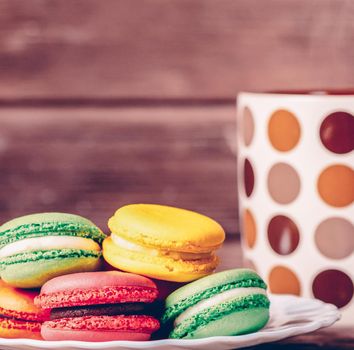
99, 306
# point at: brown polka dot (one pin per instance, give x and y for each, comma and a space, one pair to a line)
248, 177
283, 183
247, 126
337, 132
249, 228
336, 185
283, 130
284, 281
333, 286
334, 238
283, 235
249, 264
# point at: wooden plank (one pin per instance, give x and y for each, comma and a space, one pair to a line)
93, 160
176, 49
332, 338
230, 254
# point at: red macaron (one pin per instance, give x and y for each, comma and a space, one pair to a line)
99, 306
19, 317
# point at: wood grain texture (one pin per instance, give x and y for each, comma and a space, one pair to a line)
175, 48
332, 338
91, 161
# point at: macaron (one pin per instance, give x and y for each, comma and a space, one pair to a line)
35, 248
99, 306
19, 317
163, 242
227, 303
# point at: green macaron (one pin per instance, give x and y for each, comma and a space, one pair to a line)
231, 302
37, 247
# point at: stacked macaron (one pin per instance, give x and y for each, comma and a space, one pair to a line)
38, 247
19, 317
61, 253
163, 242
99, 306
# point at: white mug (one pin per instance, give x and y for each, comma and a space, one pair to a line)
296, 192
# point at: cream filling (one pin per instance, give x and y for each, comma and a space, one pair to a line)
217, 299
48, 243
125, 244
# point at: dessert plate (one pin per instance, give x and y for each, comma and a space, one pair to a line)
290, 316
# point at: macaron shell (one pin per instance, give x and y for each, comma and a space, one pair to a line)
156, 267
104, 295
48, 224
40, 218
216, 280
167, 227
95, 280
19, 304
34, 274
17, 299
51, 334
14, 329
236, 323
84, 328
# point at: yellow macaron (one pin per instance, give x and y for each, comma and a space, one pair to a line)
163, 242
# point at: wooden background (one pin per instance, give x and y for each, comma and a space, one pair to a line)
104, 103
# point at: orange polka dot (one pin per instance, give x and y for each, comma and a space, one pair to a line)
336, 185
284, 281
249, 228
283, 130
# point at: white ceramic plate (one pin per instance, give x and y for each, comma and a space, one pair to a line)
290, 316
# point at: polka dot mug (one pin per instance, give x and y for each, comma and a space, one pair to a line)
296, 192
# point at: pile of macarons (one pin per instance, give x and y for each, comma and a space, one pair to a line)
153, 277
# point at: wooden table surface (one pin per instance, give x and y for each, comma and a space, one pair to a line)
330, 338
